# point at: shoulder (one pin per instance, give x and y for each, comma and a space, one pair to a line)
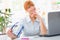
22, 20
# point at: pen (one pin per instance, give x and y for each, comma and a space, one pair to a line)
20, 30
14, 25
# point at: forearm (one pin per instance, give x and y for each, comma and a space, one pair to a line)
42, 28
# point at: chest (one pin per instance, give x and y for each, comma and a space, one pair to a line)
31, 26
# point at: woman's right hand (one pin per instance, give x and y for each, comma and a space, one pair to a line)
10, 34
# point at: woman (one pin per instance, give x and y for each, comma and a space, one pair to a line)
33, 24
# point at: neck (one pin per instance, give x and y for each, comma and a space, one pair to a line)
32, 19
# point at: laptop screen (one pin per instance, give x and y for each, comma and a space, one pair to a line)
53, 23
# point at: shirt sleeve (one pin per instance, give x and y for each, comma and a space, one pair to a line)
18, 29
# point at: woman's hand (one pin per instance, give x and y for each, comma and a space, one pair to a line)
39, 17
11, 35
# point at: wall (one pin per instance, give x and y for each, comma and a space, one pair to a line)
18, 11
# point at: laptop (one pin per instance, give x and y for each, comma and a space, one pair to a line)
53, 24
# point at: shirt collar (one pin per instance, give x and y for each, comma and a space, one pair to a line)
29, 20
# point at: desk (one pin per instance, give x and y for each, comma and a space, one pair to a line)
5, 37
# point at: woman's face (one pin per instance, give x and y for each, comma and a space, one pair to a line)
32, 11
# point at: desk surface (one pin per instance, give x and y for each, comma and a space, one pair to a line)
5, 37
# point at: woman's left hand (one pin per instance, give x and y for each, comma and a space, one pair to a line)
39, 17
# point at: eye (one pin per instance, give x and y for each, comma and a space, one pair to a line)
28, 6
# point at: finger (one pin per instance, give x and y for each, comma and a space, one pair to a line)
10, 30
